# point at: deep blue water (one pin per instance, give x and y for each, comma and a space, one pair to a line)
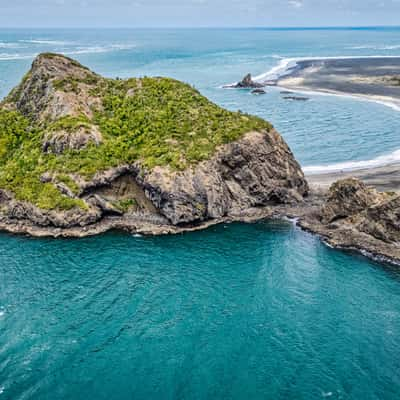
261, 311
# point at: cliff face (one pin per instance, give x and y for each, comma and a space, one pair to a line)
356, 216
118, 153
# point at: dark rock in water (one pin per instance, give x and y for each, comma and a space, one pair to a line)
258, 91
248, 83
285, 92
296, 98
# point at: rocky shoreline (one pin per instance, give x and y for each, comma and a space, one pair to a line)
342, 234
247, 177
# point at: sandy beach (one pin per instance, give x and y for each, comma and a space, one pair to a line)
384, 178
371, 78
376, 79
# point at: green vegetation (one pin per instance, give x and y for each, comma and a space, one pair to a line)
69, 182
125, 205
156, 121
70, 124
71, 83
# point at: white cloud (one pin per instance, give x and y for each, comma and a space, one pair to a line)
296, 3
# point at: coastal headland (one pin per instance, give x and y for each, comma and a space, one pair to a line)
82, 154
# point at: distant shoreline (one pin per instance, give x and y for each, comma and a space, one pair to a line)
375, 79
384, 178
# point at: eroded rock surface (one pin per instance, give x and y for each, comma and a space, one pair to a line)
55, 87
359, 217
258, 170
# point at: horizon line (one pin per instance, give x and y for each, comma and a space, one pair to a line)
327, 27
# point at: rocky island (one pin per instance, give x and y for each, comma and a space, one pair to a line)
81, 154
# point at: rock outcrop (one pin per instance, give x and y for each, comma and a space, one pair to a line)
61, 97
247, 83
89, 159
358, 217
39, 98
348, 197
61, 140
258, 170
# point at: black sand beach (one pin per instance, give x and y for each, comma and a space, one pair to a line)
384, 178
374, 78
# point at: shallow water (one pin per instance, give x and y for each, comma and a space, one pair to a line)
259, 311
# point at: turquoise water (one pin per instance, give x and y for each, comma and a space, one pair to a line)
259, 311
323, 131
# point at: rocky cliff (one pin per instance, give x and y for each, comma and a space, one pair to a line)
355, 216
83, 154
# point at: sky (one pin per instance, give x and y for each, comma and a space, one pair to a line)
198, 13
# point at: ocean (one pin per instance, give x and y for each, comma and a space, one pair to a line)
256, 311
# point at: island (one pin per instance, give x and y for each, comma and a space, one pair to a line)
81, 154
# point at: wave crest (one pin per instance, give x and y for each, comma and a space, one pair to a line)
379, 161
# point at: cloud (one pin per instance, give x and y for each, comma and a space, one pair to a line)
296, 3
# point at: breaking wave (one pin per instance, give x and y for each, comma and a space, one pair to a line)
379, 161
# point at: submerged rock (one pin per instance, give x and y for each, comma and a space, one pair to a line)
258, 91
296, 98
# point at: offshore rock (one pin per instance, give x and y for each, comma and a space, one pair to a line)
247, 83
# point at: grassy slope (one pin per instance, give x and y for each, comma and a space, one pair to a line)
158, 121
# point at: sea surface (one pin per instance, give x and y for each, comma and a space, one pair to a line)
238, 311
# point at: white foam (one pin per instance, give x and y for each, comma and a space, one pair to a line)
2, 313
9, 45
45, 41
376, 47
286, 64
354, 165
278, 71
77, 51
100, 49
15, 56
